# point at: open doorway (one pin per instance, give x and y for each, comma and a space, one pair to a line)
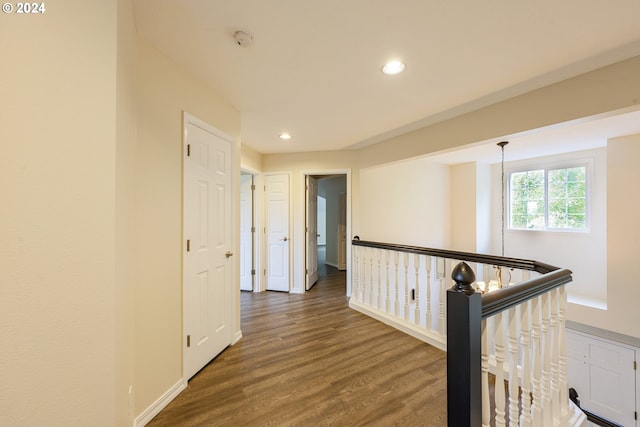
322, 230
326, 225
247, 232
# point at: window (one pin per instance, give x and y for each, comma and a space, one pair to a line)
548, 199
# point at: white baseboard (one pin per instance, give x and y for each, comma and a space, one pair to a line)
409, 328
237, 337
297, 290
157, 406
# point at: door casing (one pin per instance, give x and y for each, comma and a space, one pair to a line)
299, 273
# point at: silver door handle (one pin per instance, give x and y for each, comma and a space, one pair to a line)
284, 239
228, 254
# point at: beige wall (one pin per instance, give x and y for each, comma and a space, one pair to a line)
251, 160
483, 206
91, 170
622, 245
623, 241
406, 202
57, 228
164, 91
125, 215
463, 207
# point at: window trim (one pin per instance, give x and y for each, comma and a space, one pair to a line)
548, 166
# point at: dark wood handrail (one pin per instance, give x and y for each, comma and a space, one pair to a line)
501, 299
520, 264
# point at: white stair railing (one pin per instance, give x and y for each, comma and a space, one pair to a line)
402, 289
536, 374
520, 326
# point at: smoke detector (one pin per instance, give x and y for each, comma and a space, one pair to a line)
242, 38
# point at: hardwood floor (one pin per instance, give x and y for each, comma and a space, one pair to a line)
310, 360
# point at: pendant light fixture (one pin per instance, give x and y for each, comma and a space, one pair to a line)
500, 270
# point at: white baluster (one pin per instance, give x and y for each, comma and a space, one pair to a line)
514, 416
366, 273
499, 386
369, 290
356, 275
562, 360
378, 288
387, 306
486, 274
546, 362
486, 404
442, 269
555, 347
525, 328
416, 265
405, 259
536, 410
427, 265
363, 281
396, 310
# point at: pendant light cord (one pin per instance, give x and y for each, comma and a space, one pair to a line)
502, 144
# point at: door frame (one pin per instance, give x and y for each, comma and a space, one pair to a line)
234, 309
308, 233
258, 210
299, 274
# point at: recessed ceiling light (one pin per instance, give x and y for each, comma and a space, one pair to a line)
393, 67
285, 136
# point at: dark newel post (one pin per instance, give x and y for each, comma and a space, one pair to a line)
464, 317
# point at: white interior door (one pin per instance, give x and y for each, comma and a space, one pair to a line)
207, 264
277, 231
311, 232
342, 233
602, 372
246, 232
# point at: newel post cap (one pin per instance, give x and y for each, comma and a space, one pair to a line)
464, 276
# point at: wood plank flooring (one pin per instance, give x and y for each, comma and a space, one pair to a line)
310, 360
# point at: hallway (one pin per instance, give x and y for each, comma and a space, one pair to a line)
310, 360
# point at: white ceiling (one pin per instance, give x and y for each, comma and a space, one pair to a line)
313, 68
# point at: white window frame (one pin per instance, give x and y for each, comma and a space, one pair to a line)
586, 163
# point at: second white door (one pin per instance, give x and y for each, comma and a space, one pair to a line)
277, 231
